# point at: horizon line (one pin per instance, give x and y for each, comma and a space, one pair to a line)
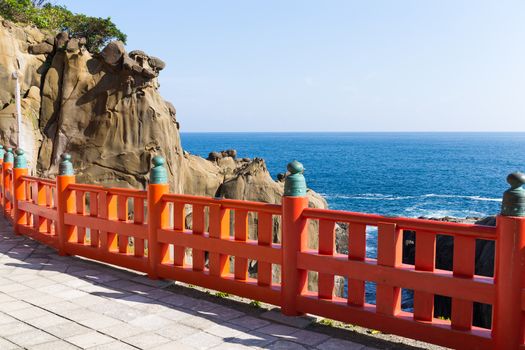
357, 132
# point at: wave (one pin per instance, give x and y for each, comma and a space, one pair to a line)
390, 197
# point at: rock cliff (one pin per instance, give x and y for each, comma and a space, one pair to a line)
105, 109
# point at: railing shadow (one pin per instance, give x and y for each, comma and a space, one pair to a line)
144, 296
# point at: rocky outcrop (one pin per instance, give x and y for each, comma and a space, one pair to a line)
106, 111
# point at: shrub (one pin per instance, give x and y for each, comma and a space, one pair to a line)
97, 31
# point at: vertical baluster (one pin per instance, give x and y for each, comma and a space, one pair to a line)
198, 229
41, 224
356, 251
264, 238
81, 210
326, 247
50, 224
138, 218
425, 261
179, 219
389, 253
122, 215
241, 233
464, 260
108, 210
94, 199
219, 229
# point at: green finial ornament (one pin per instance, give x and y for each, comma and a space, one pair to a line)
514, 198
20, 159
158, 174
295, 183
9, 156
65, 167
2, 151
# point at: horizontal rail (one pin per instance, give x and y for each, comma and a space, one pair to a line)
244, 249
129, 192
442, 282
45, 238
436, 332
45, 212
243, 288
126, 228
47, 182
274, 209
129, 261
451, 228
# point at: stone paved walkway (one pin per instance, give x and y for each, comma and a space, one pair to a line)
53, 302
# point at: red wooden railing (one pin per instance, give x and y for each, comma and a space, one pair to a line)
96, 222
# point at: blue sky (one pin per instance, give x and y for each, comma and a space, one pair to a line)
438, 65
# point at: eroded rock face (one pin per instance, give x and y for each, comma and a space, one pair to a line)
107, 112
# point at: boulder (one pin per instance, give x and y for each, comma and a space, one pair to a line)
113, 52
148, 73
156, 63
61, 40
214, 156
43, 48
73, 45
171, 108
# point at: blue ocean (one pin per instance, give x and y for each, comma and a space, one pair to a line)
405, 174
402, 174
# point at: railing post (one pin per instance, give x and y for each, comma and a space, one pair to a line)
294, 238
508, 317
157, 214
7, 164
2, 153
65, 201
19, 189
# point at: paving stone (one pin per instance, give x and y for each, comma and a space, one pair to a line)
197, 322
114, 346
54, 345
7, 345
99, 322
173, 314
230, 346
201, 340
29, 313
13, 305
124, 330
68, 329
147, 340
6, 319
176, 331
44, 322
16, 327
275, 315
285, 345
339, 344
278, 330
30, 338
151, 322
177, 345
250, 322
89, 340
223, 313
308, 338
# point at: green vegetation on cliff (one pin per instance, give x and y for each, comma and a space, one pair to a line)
44, 15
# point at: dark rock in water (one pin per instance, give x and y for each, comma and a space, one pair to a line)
484, 265
229, 153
